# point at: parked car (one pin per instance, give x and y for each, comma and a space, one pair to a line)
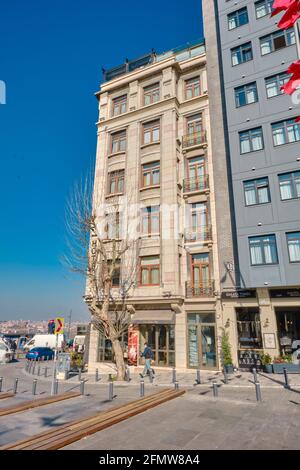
40, 353
6, 354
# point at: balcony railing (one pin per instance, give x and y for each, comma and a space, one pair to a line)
203, 289
195, 184
201, 234
196, 138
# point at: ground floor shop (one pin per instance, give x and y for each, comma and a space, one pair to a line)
188, 336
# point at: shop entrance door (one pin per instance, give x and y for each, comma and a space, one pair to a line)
202, 346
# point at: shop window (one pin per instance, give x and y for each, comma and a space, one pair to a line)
249, 328
161, 339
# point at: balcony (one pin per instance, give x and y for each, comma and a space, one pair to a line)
201, 234
205, 289
196, 138
195, 184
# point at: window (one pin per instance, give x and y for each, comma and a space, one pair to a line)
249, 328
246, 94
194, 124
277, 40
251, 140
150, 270
241, 54
150, 220
151, 174
263, 8
118, 142
119, 105
286, 132
116, 182
192, 88
197, 222
161, 339
151, 132
151, 94
274, 84
289, 184
257, 191
293, 242
263, 250
116, 272
113, 225
238, 18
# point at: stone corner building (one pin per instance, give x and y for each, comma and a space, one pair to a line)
155, 142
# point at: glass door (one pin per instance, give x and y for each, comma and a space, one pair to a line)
208, 347
202, 352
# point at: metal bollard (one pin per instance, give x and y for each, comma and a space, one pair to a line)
173, 375
34, 387
79, 374
151, 376
1, 383
81, 387
286, 379
55, 387
215, 389
127, 374
142, 388
33, 368
46, 371
225, 375
198, 377
39, 371
257, 390
254, 375
176, 385
110, 390
96, 375
16, 385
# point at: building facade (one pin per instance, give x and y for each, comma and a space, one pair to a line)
248, 57
155, 143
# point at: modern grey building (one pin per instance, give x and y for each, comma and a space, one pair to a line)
247, 59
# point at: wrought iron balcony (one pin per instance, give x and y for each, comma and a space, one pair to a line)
202, 289
196, 138
195, 184
201, 234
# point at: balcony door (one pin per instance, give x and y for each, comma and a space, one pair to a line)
194, 124
200, 271
198, 221
196, 173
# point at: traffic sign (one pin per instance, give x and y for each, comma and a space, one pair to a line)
59, 325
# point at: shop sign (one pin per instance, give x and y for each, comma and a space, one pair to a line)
239, 294
133, 345
249, 359
279, 293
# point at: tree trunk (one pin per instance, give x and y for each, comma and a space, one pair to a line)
119, 358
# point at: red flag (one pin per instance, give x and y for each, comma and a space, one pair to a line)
281, 5
291, 15
294, 81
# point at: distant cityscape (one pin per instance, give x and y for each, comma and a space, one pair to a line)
31, 327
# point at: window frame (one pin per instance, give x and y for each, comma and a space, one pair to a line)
285, 123
151, 126
250, 132
276, 78
245, 89
118, 137
255, 182
153, 91
149, 268
288, 248
241, 48
149, 213
261, 246
192, 83
275, 35
118, 176
237, 15
266, 4
293, 184
154, 167
117, 104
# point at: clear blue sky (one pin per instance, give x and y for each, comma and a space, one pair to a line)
51, 56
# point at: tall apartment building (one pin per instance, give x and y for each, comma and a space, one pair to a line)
247, 59
154, 143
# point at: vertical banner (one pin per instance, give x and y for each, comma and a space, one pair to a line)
133, 345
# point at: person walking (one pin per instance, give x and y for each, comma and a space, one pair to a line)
148, 355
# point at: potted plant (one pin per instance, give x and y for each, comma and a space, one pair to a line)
226, 352
285, 361
266, 361
76, 361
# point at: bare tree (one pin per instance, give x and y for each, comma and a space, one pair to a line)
102, 246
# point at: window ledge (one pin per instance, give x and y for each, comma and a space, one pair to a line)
113, 195
154, 186
203, 95
149, 145
115, 154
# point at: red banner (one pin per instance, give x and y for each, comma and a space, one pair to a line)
133, 345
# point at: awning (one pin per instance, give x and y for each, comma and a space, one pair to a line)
154, 317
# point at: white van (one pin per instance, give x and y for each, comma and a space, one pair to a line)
44, 341
6, 354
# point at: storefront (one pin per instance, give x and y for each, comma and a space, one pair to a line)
157, 328
105, 352
202, 351
288, 327
249, 335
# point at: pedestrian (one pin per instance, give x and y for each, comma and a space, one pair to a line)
148, 355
